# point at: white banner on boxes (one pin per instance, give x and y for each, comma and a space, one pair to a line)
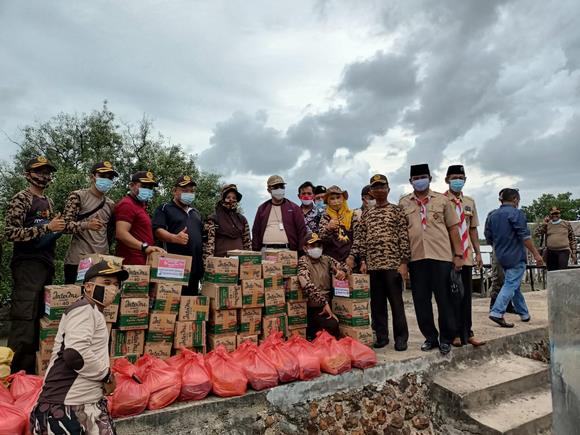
171, 268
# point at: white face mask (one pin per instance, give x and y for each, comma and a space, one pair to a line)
278, 193
315, 252
371, 203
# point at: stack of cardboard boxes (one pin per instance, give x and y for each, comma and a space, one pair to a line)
351, 305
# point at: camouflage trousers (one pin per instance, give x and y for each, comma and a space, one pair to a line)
90, 419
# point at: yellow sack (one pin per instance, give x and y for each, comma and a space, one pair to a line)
4, 370
6, 355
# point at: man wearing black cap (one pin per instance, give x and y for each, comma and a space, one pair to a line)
435, 249
382, 245
178, 226
319, 195
468, 223
78, 373
34, 229
88, 214
133, 228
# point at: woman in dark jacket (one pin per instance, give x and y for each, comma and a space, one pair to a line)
226, 228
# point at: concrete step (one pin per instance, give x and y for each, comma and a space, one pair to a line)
478, 385
524, 414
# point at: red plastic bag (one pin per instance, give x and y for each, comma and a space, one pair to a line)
5, 396
163, 381
361, 356
22, 384
195, 379
227, 378
14, 420
131, 394
259, 370
284, 360
304, 351
333, 358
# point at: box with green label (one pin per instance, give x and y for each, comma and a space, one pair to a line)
275, 322
223, 296
137, 285
246, 257
288, 259
252, 293
293, 289
221, 270
222, 321
169, 267
351, 312
297, 317
133, 314
127, 342
250, 321
189, 335
57, 298
166, 297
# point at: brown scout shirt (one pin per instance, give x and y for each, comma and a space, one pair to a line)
471, 220
433, 242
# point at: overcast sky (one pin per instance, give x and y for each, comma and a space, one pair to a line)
327, 91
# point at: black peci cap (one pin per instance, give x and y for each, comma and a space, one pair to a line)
421, 169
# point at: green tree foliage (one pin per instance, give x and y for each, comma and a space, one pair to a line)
73, 143
540, 207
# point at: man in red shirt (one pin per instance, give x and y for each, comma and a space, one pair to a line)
134, 231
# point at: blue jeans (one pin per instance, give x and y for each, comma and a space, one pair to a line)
511, 291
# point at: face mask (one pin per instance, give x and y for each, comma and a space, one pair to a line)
231, 205
38, 180
103, 185
307, 199
371, 203
278, 194
421, 185
145, 194
379, 195
320, 204
103, 295
315, 253
557, 221
187, 198
456, 185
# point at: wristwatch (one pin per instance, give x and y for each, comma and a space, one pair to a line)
144, 246
458, 255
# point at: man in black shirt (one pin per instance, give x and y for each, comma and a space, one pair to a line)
30, 224
178, 226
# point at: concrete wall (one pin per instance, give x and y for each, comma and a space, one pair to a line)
564, 310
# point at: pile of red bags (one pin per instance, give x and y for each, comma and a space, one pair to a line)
304, 352
257, 367
14, 420
17, 401
195, 378
227, 377
131, 395
333, 358
361, 356
285, 362
163, 381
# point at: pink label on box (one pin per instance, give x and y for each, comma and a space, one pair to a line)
171, 268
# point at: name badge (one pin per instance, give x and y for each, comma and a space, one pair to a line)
281, 226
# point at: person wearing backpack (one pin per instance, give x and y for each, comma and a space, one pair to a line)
88, 216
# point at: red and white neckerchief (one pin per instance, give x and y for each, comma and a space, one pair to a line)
422, 203
463, 233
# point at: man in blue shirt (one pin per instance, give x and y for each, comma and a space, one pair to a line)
506, 229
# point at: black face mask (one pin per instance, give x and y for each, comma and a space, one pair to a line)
380, 195
38, 180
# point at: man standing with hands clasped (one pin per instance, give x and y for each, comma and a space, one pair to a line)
560, 240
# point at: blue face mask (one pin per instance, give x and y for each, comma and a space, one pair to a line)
103, 185
187, 198
421, 185
320, 204
456, 185
145, 194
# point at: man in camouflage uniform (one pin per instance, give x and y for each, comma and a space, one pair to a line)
560, 240
30, 224
382, 245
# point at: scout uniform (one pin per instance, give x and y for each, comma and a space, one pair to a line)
27, 219
81, 206
560, 241
431, 260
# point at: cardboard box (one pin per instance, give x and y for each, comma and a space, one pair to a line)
189, 334
252, 293
351, 312
137, 285
288, 259
223, 296
159, 337
57, 298
111, 312
250, 321
301, 332
276, 322
132, 358
127, 342
273, 283
274, 309
166, 297
222, 321
133, 313
274, 297
242, 338
160, 350
199, 349
250, 271
297, 317
230, 341
246, 257
194, 308
169, 267
341, 287
45, 348
364, 334
359, 281
356, 287
48, 330
41, 364
293, 290
162, 322
271, 269
87, 261
221, 270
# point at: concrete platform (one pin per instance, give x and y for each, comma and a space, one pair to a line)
237, 415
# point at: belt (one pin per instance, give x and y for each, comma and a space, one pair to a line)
276, 246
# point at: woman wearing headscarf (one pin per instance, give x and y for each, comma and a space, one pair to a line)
337, 224
227, 229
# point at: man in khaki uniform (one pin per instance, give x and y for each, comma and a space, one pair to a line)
560, 241
435, 249
468, 223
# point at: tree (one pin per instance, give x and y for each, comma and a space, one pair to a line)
540, 207
73, 143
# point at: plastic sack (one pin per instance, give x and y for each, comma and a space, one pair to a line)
227, 378
195, 379
6, 355
308, 362
333, 358
361, 356
285, 362
131, 395
14, 420
163, 381
5, 396
259, 370
4, 370
22, 384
